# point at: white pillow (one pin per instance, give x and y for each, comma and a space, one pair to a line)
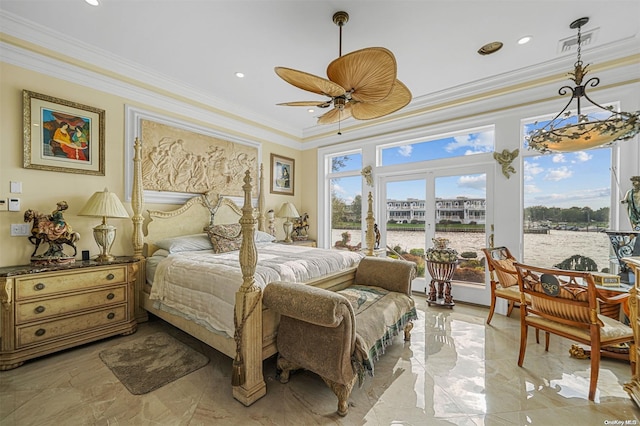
263, 237
193, 242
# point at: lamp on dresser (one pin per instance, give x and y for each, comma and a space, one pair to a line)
287, 211
104, 204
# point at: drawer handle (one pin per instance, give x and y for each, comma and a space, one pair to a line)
39, 309
110, 296
111, 315
110, 277
39, 286
40, 332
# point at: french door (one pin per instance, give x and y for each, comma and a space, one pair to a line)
452, 203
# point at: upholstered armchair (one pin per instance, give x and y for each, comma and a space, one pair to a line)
565, 303
338, 335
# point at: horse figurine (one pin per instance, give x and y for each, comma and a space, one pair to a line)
44, 229
301, 226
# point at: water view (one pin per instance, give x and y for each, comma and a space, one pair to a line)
543, 250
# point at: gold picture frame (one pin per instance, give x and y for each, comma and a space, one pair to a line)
62, 136
282, 175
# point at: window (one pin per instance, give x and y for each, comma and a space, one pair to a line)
567, 199
468, 142
345, 186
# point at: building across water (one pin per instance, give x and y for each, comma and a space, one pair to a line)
448, 210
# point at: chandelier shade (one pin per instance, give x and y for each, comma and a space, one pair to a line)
569, 132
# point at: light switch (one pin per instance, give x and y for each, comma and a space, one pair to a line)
14, 204
16, 187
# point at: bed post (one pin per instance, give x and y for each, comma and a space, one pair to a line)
137, 236
261, 199
369, 235
247, 378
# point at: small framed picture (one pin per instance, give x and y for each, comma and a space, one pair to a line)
62, 136
282, 175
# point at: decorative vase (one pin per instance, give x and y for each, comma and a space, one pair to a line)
440, 252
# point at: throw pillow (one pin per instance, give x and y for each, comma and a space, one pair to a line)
225, 238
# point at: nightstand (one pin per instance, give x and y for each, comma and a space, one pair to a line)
44, 309
305, 243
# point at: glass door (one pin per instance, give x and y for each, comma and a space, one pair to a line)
460, 217
403, 222
445, 204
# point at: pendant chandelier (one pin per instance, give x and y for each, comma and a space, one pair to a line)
569, 132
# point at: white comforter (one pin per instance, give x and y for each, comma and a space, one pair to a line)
201, 285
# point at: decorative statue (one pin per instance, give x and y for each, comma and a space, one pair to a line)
271, 217
376, 232
505, 158
366, 173
300, 227
55, 231
632, 199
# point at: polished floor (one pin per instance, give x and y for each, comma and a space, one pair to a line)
455, 371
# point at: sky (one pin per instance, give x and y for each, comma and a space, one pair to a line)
578, 179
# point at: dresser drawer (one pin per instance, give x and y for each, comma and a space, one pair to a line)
31, 334
46, 284
42, 309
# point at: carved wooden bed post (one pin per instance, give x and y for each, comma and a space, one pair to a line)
369, 235
138, 236
261, 199
247, 378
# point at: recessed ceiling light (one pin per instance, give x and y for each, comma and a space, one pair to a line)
240, 74
310, 110
525, 40
93, 2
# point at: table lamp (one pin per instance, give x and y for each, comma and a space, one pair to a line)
104, 204
288, 210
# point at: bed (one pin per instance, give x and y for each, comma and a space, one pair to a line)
224, 309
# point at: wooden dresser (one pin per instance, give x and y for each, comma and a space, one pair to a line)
44, 309
633, 387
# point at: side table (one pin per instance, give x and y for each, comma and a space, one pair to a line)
441, 274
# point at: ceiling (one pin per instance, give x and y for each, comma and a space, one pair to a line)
193, 48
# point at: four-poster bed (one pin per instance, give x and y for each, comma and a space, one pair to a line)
241, 328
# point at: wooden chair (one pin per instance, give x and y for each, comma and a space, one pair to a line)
565, 303
503, 278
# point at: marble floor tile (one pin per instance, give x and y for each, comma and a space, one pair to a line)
455, 371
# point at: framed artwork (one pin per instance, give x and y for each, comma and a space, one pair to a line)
282, 173
62, 136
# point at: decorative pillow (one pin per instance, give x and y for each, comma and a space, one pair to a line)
193, 242
263, 237
225, 237
506, 279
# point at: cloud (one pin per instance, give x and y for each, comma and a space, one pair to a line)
531, 189
473, 182
558, 158
405, 150
581, 157
532, 169
558, 174
583, 197
475, 142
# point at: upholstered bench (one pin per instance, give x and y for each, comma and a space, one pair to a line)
338, 335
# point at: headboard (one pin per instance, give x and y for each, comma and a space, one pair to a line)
190, 218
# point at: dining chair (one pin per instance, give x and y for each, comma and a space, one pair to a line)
565, 303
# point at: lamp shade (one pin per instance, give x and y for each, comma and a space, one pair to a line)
288, 210
104, 204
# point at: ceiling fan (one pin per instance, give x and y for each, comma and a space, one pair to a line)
361, 84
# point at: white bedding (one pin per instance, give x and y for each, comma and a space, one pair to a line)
201, 285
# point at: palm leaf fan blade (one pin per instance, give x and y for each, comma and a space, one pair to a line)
399, 97
335, 115
370, 73
309, 82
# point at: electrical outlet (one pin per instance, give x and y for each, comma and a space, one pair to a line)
19, 230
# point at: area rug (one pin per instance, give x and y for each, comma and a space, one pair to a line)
148, 363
